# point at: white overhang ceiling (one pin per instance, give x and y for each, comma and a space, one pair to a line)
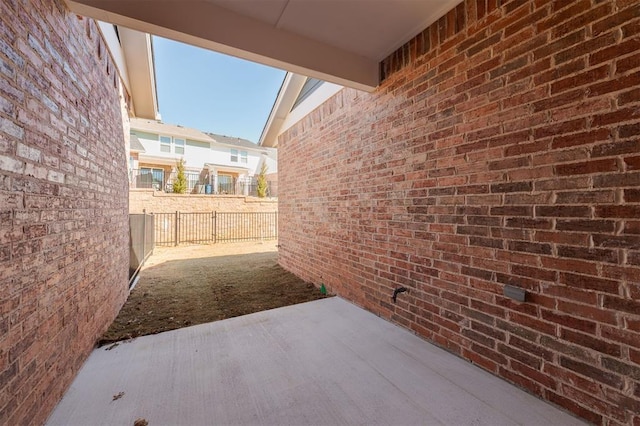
341, 41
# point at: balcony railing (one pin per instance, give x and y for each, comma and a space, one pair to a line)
196, 184
147, 178
251, 188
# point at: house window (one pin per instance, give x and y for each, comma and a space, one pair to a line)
165, 143
243, 156
234, 155
169, 144
178, 145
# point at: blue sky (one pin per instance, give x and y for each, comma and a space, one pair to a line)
213, 92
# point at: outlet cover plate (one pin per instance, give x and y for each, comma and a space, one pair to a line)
515, 293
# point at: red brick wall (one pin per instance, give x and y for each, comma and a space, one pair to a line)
63, 202
501, 148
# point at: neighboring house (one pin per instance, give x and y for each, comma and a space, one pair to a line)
214, 164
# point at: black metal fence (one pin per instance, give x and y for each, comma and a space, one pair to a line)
214, 227
141, 242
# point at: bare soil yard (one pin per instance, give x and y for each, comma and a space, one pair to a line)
188, 285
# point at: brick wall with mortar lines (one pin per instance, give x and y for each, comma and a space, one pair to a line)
501, 148
63, 202
160, 202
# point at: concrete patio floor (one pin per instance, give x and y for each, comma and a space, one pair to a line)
326, 362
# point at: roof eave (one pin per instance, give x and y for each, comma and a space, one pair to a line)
138, 52
287, 95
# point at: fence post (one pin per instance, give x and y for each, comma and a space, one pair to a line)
144, 233
153, 231
215, 227
177, 227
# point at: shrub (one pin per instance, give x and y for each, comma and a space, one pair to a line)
180, 184
262, 182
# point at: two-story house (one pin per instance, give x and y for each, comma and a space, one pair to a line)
214, 164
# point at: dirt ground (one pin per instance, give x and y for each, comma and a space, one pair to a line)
188, 285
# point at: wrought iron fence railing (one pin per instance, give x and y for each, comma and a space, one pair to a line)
214, 227
197, 183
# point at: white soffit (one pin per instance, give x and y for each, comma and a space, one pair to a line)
340, 41
370, 28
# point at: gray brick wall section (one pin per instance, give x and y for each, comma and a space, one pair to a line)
63, 202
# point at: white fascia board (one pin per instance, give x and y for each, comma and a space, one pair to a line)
258, 149
115, 49
287, 96
138, 54
206, 25
161, 161
223, 167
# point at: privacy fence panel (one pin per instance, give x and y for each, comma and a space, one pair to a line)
141, 241
213, 227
